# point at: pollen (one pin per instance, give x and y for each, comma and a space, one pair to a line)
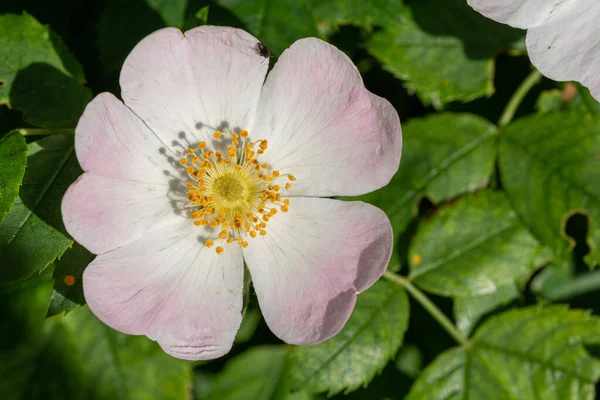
231, 194
69, 280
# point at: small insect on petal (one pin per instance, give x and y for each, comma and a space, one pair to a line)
262, 50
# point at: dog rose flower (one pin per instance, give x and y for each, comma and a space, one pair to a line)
206, 165
563, 39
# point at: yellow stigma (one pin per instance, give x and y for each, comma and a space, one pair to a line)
233, 197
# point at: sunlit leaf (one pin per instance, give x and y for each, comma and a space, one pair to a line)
32, 235
361, 350
532, 353
560, 153
472, 246
13, 158
450, 154
469, 310
443, 50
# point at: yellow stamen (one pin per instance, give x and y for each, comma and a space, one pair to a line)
231, 192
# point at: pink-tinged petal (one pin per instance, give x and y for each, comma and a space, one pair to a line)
191, 84
562, 37
518, 13
567, 46
323, 126
170, 287
103, 213
314, 259
110, 140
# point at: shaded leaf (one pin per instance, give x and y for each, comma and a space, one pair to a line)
472, 247
450, 154
33, 235
172, 12
125, 22
78, 357
22, 314
409, 361
39, 76
260, 373
68, 280
277, 24
561, 154
370, 338
559, 283
13, 159
249, 324
443, 49
547, 361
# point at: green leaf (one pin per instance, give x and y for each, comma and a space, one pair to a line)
68, 280
172, 12
561, 154
78, 357
443, 49
472, 247
22, 314
469, 310
124, 23
32, 235
137, 368
409, 361
549, 101
330, 14
249, 324
450, 154
260, 373
559, 283
532, 353
197, 19
590, 103
277, 24
38, 75
361, 350
13, 159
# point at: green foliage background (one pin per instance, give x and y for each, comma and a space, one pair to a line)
491, 292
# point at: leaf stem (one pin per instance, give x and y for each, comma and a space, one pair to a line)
515, 101
45, 132
428, 305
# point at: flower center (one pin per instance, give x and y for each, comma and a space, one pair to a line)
228, 190
235, 195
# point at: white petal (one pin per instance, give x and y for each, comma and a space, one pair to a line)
314, 259
110, 140
185, 86
170, 287
323, 126
103, 213
519, 13
563, 40
567, 46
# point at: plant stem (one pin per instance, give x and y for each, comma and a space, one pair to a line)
45, 132
515, 101
428, 305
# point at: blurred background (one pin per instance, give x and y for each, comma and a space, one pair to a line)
450, 74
